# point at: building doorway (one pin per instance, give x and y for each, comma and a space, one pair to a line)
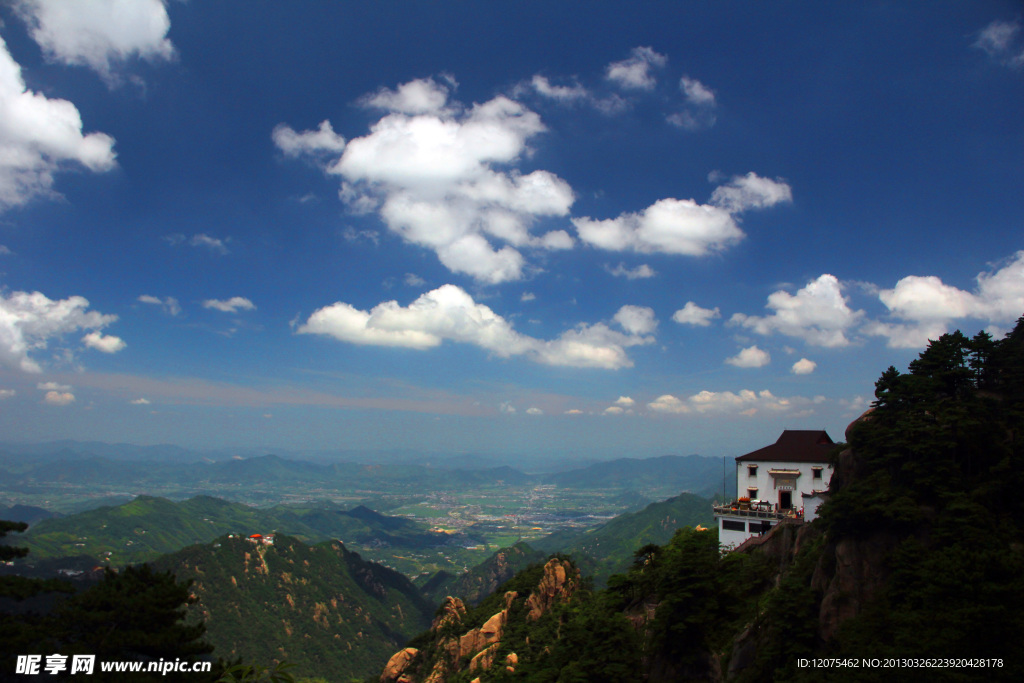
785, 500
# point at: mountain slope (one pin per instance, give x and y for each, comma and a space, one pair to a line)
320, 607
609, 548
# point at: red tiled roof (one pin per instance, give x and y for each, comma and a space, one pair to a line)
795, 445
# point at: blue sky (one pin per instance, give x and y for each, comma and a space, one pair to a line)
495, 228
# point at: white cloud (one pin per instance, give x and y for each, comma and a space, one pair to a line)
924, 307
692, 314
574, 411
169, 304
818, 314
751, 191
320, 142
668, 403
40, 137
449, 313
746, 402
636, 320
140, 402
107, 343
560, 93
232, 305
532, 410
29, 321
421, 96
443, 177
527, 296
682, 226
5, 251
634, 73
750, 357
7, 393
625, 401
214, 244
670, 226
413, 280
507, 408
700, 106
58, 398
803, 367
52, 386
696, 92
642, 271
614, 410
999, 41
99, 33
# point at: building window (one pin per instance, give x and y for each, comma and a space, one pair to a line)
752, 494
752, 470
732, 525
816, 472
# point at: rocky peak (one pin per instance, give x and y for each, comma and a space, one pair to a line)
560, 580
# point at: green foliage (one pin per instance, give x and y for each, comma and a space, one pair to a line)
322, 608
610, 548
7, 552
248, 673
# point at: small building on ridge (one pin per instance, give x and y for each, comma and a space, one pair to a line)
772, 484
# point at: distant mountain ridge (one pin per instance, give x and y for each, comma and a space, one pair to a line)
664, 474
148, 527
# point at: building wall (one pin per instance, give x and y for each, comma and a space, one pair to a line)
765, 483
730, 538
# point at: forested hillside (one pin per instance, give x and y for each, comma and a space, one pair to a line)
322, 608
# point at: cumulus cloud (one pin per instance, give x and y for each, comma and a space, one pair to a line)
999, 41
30, 321
449, 313
803, 367
634, 73
413, 280
750, 357
642, 271
682, 226
818, 313
924, 307
746, 402
232, 305
40, 137
625, 401
320, 142
107, 343
614, 410
751, 191
699, 111
140, 402
420, 96
99, 33
671, 226
692, 314
58, 398
7, 393
443, 176
169, 304
636, 320
533, 410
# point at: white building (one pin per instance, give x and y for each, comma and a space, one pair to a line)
775, 483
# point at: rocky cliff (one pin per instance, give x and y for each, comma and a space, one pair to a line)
453, 645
